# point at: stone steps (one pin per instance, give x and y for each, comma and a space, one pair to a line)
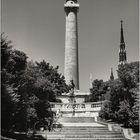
76, 119
85, 127
82, 132
85, 136
85, 139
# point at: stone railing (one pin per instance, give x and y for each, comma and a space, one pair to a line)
79, 107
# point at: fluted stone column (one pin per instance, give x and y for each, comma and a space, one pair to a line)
71, 43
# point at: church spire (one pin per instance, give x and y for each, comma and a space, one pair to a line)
122, 51
111, 76
122, 37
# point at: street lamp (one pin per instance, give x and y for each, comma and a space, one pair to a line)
72, 101
74, 106
72, 98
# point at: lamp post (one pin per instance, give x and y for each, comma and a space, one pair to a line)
72, 98
74, 106
72, 101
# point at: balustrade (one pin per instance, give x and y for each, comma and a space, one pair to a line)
78, 106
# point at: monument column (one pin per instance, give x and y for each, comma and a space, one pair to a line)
71, 43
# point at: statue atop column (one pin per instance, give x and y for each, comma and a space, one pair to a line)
72, 0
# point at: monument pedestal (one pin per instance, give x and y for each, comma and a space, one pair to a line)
79, 97
81, 109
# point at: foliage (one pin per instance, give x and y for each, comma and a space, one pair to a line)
27, 88
97, 91
13, 65
7, 109
5, 51
42, 109
106, 111
50, 76
122, 96
124, 113
129, 74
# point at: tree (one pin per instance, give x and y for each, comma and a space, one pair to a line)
38, 85
105, 113
124, 113
27, 88
113, 96
49, 82
25, 110
7, 97
97, 91
13, 66
42, 109
51, 73
48, 85
122, 95
129, 74
5, 51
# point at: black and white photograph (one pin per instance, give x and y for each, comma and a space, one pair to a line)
70, 70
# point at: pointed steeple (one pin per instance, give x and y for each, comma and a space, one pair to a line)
122, 36
111, 76
122, 51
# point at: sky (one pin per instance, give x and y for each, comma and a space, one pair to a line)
37, 27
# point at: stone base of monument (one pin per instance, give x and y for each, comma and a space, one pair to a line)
78, 96
90, 109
